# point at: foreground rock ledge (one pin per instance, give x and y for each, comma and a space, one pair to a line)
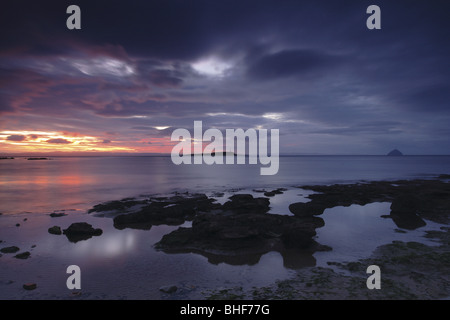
241, 231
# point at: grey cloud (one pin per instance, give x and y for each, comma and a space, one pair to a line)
15, 137
58, 141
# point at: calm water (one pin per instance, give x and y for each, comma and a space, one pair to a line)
80, 182
124, 264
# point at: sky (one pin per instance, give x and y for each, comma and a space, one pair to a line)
138, 70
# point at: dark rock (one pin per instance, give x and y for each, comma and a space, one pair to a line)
57, 214
306, 209
23, 255
426, 199
55, 230
17, 224
168, 289
404, 209
245, 203
269, 193
12, 249
117, 205
444, 176
25, 219
81, 231
30, 286
241, 238
405, 204
170, 211
259, 190
411, 222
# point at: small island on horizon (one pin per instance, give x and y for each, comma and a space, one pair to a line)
395, 153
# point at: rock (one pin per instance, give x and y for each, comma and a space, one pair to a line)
55, 230
306, 209
57, 214
81, 231
12, 249
25, 219
245, 203
30, 286
170, 211
17, 224
241, 238
121, 205
405, 204
404, 209
23, 255
269, 193
168, 289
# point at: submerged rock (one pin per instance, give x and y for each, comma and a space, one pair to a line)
12, 249
55, 230
168, 289
23, 255
81, 231
119, 205
57, 214
29, 286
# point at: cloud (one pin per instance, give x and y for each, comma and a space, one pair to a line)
288, 63
58, 141
106, 141
15, 137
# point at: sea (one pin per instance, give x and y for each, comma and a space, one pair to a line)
124, 264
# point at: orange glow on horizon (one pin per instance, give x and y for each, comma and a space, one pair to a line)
69, 142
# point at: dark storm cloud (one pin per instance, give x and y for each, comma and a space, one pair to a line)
290, 63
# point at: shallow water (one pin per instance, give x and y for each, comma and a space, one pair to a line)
124, 264
81, 182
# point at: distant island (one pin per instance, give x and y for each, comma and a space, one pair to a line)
6, 158
395, 153
219, 153
38, 159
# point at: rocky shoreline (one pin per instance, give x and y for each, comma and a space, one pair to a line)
242, 229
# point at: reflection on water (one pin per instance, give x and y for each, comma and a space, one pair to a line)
355, 231
80, 182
